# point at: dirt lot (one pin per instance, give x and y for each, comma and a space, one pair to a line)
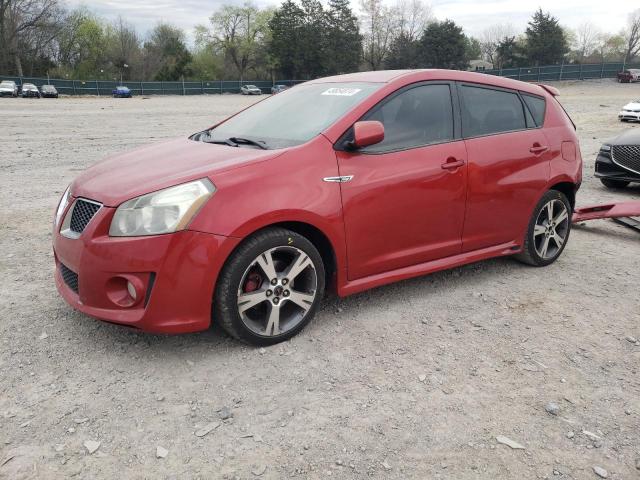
413, 380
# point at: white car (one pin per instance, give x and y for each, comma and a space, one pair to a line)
631, 111
250, 90
8, 88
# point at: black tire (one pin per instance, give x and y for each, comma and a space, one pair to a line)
614, 184
225, 302
529, 254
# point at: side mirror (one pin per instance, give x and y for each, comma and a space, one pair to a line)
367, 133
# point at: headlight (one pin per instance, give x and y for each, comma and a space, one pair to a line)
164, 211
605, 148
62, 206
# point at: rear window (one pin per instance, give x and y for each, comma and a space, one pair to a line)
487, 111
536, 106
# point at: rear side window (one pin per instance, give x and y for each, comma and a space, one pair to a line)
536, 107
488, 111
419, 116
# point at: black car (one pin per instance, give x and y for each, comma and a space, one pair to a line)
49, 91
618, 162
29, 90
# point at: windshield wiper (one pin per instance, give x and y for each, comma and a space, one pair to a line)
248, 141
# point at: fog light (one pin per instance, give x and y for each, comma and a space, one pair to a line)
132, 290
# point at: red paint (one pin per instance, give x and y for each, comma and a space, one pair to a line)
403, 214
607, 210
367, 133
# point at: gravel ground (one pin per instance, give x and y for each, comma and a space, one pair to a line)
412, 380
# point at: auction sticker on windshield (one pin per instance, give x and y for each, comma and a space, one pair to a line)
341, 92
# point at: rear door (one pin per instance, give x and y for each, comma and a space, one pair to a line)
508, 163
405, 201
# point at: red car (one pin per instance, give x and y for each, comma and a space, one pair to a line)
343, 183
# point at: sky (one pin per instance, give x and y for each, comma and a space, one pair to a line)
474, 16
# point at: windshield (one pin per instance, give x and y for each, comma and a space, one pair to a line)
294, 116
6, 84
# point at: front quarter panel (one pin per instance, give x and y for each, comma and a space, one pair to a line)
288, 188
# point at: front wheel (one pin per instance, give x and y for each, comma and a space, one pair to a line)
548, 230
270, 288
614, 184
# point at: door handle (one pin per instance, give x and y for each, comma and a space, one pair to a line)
452, 163
538, 149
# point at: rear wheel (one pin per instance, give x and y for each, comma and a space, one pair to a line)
548, 230
614, 184
270, 288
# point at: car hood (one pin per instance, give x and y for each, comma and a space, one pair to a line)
6, 88
632, 106
629, 137
153, 167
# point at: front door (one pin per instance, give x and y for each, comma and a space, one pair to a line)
405, 203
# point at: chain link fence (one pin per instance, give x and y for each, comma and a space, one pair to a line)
551, 73
546, 73
106, 87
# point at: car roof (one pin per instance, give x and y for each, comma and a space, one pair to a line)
410, 76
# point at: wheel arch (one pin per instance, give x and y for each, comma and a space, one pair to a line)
569, 189
317, 236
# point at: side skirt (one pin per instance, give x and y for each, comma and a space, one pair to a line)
404, 273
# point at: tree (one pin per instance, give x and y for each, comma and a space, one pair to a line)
491, 38
511, 53
545, 40
632, 36
403, 53
443, 45
611, 48
343, 39
22, 21
286, 30
413, 16
166, 57
123, 48
586, 40
237, 31
472, 49
378, 27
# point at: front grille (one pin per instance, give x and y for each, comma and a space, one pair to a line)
69, 277
627, 156
83, 212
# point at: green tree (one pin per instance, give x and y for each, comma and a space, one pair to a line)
286, 31
546, 42
443, 45
343, 39
472, 49
238, 32
403, 53
510, 53
166, 55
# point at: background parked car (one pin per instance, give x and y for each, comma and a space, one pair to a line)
278, 88
250, 90
631, 111
29, 90
8, 88
49, 91
122, 92
628, 76
618, 161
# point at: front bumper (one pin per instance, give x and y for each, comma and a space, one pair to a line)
625, 115
174, 275
606, 168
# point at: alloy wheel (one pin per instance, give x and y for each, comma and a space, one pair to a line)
277, 291
551, 229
